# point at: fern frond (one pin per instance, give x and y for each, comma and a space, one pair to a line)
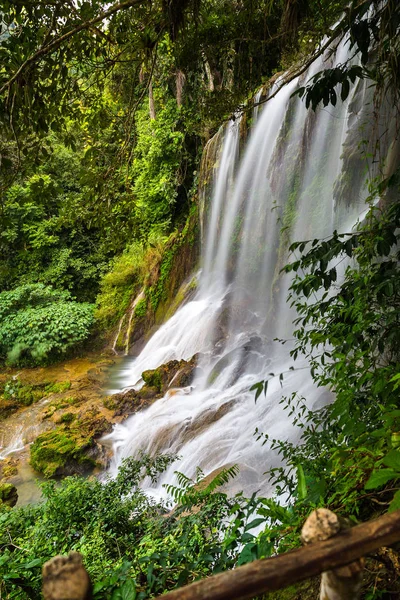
183, 480
221, 478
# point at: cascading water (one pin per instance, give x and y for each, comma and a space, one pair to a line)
286, 187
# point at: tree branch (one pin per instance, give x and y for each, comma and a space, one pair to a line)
297, 72
48, 48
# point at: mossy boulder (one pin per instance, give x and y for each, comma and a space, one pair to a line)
8, 494
71, 448
176, 373
153, 378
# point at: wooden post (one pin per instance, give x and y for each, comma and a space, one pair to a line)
65, 578
343, 583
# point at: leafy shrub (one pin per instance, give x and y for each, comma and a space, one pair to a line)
38, 323
131, 546
118, 285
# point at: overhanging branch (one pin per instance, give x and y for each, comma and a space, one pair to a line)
49, 48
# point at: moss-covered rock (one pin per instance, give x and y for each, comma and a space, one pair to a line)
71, 448
154, 292
8, 494
8, 467
176, 373
16, 394
152, 378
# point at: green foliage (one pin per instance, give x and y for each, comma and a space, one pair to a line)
44, 227
156, 164
321, 87
39, 323
141, 308
128, 542
373, 32
120, 283
348, 329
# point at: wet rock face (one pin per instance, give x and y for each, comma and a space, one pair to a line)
174, 374
8, 494
74, 416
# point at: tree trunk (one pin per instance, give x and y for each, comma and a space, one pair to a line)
152, 109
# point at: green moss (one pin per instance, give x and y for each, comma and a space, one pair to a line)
66, 418
8, 494
9, 470
119, 284
176, 242
53, 451
109, 402
141, 308
71, 447
152, 378
56, 388
24, 394
183, 292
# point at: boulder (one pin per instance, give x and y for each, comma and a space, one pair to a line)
71, 448
174, 374
8, 494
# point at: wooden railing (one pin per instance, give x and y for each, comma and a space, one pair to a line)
331, 548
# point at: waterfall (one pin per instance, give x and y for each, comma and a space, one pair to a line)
292, 182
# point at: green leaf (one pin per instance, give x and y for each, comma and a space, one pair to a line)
33, 563
259, 388
392, 460
128, 590
395, 503
254, 523
301, 483
248, 554
379, 478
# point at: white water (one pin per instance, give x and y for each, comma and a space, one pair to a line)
285, 178
15, 443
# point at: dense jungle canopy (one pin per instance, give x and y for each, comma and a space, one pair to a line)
104, 111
